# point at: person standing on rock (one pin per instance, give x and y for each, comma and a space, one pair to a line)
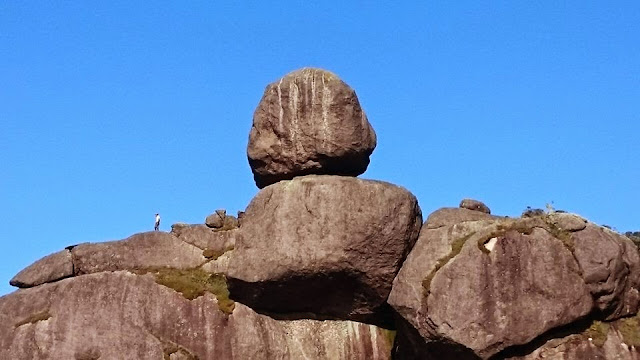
157, 225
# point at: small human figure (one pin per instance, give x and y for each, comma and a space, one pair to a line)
157, 225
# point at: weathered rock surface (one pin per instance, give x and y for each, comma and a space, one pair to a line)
619, 340
451, 216
475, 205
119, 315
139, 251
204, 237
309, 122
48, 269
611, 268
216, 220
325, 245
473, 288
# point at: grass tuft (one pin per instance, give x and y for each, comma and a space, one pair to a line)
193, 283
598, 332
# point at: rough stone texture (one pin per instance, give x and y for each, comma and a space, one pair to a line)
216, 220
475, 205
450, 216
204, 237
48, 269
566, 221
309, 122
118, 315
611, 268
581, 347
460, 299
326, 245
144, 250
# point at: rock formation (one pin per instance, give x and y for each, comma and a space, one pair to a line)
325, 245
483, 286
323, 265
309, 122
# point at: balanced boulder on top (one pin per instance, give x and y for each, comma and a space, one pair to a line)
309, 122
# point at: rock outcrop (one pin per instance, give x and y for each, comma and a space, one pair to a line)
120, 315
323, 245
477, 287
323, 265
309, 122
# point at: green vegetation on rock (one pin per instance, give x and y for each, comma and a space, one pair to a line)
193, 283
597, 332
456, 247
629, 328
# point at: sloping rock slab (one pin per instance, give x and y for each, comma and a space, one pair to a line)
326, 245
456, 291
451, 216
204, 237
118, 315
140, 251
309, 122
48, 269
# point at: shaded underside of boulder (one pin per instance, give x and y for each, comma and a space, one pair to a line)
119, 315
491, 284
309, 122
325, 245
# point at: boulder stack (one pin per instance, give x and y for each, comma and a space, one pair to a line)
324, 265
309, 122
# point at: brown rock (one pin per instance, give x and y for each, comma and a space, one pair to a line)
475, 205
611, 268
450, 216
48, 269
566, 221
460, 293
144, 250
309, 122
216, 220
118, 315
204, 237
614, 340
325, 245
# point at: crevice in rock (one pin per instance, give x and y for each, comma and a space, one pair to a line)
34, 318
591, 328
456, 247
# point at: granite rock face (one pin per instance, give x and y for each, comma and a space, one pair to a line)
140, 251
48, 269
119, 315
323, 245
480, 288
144, 250
309, 122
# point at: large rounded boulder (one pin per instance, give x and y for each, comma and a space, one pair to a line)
325, 246
492, 287
309, 122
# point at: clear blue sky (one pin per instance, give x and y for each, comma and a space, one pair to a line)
111, 111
